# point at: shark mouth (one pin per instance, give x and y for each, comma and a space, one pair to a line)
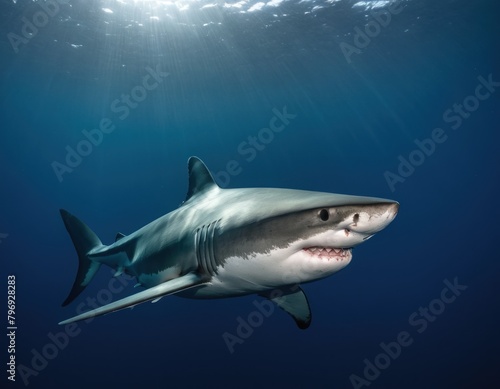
328, 253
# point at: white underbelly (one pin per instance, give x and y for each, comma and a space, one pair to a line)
240, 276
149, 280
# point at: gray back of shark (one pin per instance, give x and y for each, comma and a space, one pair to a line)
233, 242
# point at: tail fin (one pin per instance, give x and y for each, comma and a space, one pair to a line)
84, 240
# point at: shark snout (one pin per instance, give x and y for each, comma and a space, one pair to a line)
394, 208
373, 218
391, 210
365, 221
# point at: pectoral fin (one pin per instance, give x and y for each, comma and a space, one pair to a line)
293, 301
185, 282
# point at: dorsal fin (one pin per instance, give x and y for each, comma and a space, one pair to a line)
200, 179
119, 236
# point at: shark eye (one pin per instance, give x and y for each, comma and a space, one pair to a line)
324, 215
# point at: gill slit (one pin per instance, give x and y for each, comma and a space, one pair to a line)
204, 243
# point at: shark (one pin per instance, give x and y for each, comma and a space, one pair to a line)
233, 242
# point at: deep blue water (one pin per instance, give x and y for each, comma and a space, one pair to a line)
229, 66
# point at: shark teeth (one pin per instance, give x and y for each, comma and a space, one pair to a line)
338, 254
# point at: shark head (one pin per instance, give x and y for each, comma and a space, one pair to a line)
321, 239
